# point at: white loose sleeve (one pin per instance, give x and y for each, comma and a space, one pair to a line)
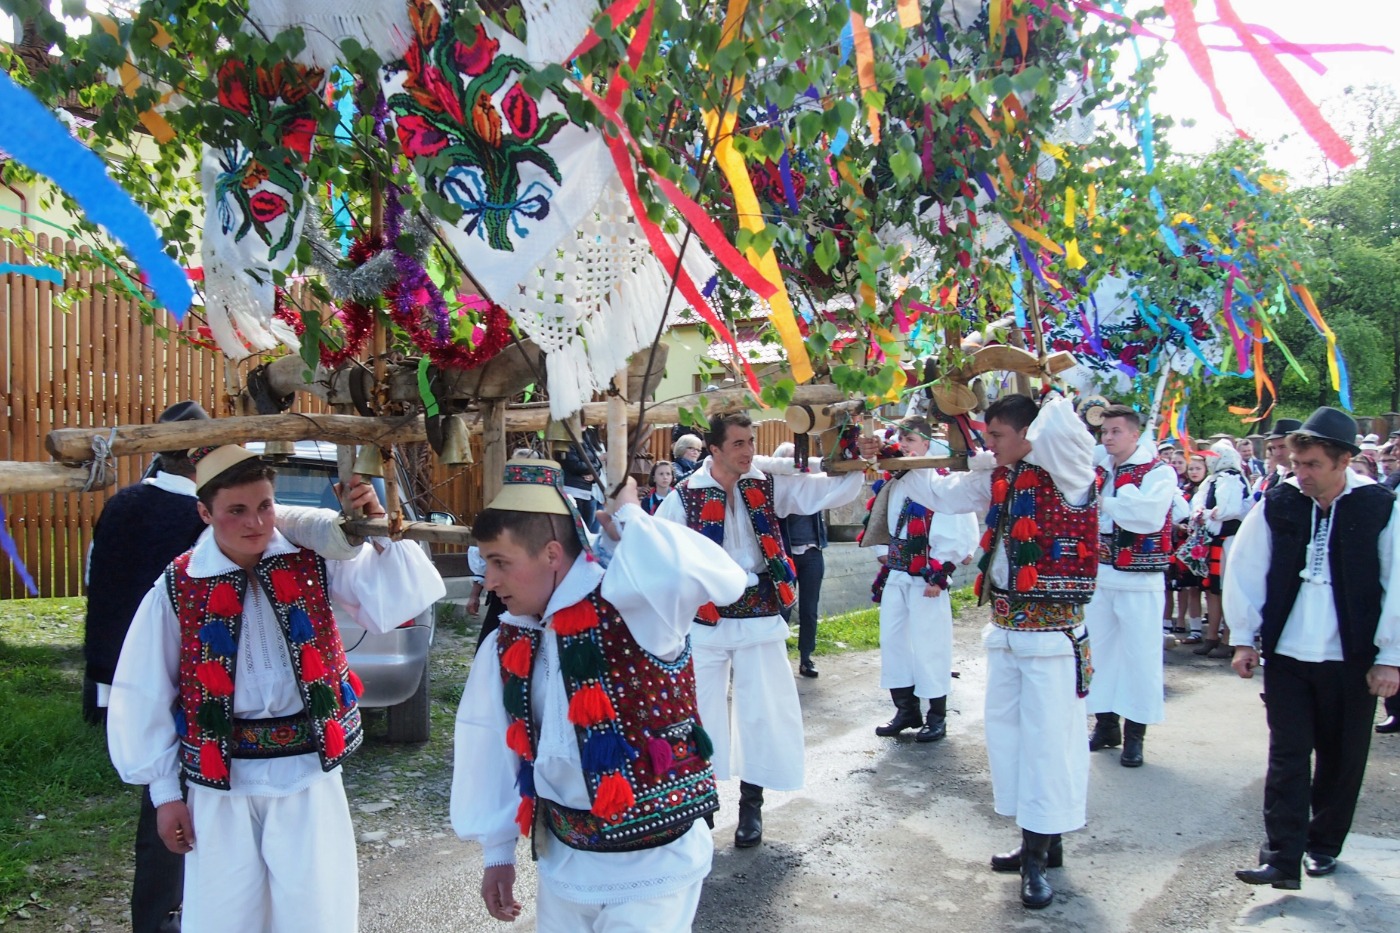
141, 737
1142, 509
1243, 589
809, 493
1063, 447
671, 509
484, 770
1229, 497
784, 466
1181, 507
321, 530
1388, 629
661, 574
952, 537
382, 590
954, 494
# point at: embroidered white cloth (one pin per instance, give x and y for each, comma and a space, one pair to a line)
381, 25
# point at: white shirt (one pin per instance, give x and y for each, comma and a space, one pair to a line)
659, 609
1142, 509
1311, 632
951, 537
793, 494
378, 590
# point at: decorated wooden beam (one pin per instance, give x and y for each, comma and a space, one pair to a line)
20, 478
430, 532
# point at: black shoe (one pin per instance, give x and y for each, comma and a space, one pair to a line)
1011, 861
1268, 874
1035, 856
907, 715
749, 832
1388, 725
1318, 865
936, 725
1133, 733
1107, 732
807, 668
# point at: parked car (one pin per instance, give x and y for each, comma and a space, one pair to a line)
394, 665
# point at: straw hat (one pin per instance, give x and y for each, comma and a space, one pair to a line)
212, 462
533, 485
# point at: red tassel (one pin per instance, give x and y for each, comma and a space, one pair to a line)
1024, 529
1084, 550
355, 683
517, 659
870, 503
211, 762
590, 706
918, 526
580, 617
312, 665
977, 586
518, 739
614, 797
986, 542
712, 511
1000, 488
755, 497
661, 755
223, 601
214, 678
1027, 480
1124, 558
785, 593
285, 588
770, 547
1026, 579
708, 613
335, 739
525, 815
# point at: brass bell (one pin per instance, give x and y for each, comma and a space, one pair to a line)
558, 435
369, 461
279, 450
456, 442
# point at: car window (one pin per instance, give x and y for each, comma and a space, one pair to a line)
302, 484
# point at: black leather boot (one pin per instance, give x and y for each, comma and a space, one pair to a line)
1035, 856
1133, 734
749, 832
1107, 732
936, 725
907, 715
1011, 861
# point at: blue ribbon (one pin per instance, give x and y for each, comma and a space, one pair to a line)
42, 273
37, 140
7, 544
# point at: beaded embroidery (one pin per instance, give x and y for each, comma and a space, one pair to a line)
1048, 541
1127, 550
210, 610
704, 512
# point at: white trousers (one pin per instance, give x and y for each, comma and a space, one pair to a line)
1127, 646
916, 638
669, 913
1035, 739
273, 864
757, 738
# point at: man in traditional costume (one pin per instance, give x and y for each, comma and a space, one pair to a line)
1037, 490
579, 727
733, 503
233, 674
1136, 495
921, 550
1279, 467
1313, 576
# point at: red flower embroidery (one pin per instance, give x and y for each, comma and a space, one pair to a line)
521, 112
233, 87
419, 137
297, 136
474, 59
267, 206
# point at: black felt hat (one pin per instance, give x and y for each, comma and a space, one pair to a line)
1329, 424
184, 411
1285, 426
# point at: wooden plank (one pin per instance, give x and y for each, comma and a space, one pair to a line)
45, 479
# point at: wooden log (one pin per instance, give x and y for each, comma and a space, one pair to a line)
922, 463
412, 531
617, 433
21, 478
493, 448
74, 445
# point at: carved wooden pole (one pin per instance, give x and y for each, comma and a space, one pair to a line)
493, 447
617, 433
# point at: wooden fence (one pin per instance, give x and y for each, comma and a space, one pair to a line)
91, 362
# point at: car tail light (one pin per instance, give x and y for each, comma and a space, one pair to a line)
409, 624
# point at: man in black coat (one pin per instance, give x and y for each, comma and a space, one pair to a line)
1313, 576
140, 531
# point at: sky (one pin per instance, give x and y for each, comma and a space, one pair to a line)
1256, 107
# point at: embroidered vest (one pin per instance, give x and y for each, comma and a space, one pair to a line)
704, 512
1127, 550
1353, 560
644, 754
1049, 550
210, 610
908, 547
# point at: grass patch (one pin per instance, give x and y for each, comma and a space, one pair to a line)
860, 630
65, 816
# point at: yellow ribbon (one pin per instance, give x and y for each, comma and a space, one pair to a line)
909, 15
865, 69
155, 124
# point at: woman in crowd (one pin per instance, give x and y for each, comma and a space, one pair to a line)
1221, 501
685, 454
1180, 580
662, 473
1364, 463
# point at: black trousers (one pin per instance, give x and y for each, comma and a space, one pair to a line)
1320, 716
811, 567
1392, 705
159, 886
